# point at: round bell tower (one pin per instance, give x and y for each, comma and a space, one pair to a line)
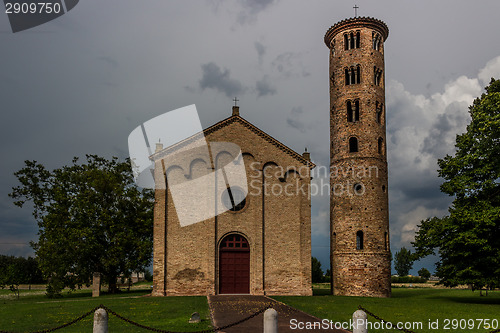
359, 220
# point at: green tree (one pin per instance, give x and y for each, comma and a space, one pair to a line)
328, 276
468, 239
317, 272
18, 270
424, 273
91, 218
403, 262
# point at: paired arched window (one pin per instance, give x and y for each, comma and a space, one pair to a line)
353, 145
352, 75
377, 76
376, 41
353, 111
359, 240
352, 40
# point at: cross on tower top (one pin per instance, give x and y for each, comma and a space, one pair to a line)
355, 10
235, 100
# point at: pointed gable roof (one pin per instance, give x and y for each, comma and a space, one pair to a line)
228, 121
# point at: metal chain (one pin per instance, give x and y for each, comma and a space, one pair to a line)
380, 319
394, 326
215, 329
63, 325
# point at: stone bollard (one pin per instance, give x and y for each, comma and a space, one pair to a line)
359, 320
100, 321
270, 321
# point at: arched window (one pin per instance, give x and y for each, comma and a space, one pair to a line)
353, 145
347, 77
359, 240
350, 115
353, 112
351, 35
380, 145
386, 240
376, 39
358, 74
346, 42
334, 241
357, 39
353, 76
377, 76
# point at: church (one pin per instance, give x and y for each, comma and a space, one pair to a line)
260, 244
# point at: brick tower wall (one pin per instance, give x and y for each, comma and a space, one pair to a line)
359, 198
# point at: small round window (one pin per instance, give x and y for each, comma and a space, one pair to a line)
233, 199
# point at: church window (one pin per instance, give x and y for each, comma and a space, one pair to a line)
359, 189
377, 76
379, 111
350, 112
234, 241
359, 240
234, 199
353, 145
352, 40
380, 145
376, 40
352, 75
386, 240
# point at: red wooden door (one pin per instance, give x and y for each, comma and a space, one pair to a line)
234, 268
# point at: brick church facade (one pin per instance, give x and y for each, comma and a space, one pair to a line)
261, 246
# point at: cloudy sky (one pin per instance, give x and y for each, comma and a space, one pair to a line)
81, 83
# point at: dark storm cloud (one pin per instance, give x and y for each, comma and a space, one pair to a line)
219, 80
442, 132
264, 87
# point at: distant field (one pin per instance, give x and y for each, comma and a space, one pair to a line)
407, 305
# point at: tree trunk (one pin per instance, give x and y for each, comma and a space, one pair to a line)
112, 287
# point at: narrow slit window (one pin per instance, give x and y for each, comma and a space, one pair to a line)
359, 240
356, 110
350, 117
353, 145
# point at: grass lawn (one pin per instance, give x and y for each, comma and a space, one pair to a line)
406, 305
34, 311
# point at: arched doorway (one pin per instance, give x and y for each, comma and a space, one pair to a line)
234, 265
